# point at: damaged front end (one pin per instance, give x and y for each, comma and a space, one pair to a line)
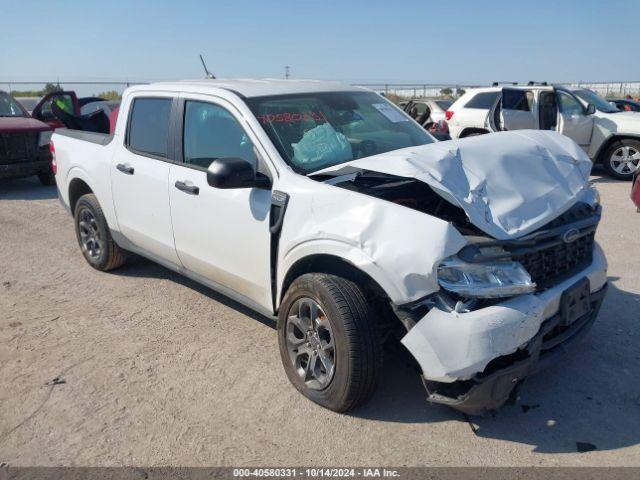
530, 280
474, 348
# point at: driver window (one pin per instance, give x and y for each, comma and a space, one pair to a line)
569, 105
211, 132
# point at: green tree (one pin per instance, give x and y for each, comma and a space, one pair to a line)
50, 88
460, 92
110, 95
445, 92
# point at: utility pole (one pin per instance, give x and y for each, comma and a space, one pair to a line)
286, 72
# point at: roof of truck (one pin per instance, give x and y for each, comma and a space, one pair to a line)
251, 87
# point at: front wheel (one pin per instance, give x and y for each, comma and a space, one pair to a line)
622, 158
328, 341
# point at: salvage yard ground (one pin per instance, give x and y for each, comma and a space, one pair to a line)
141, 366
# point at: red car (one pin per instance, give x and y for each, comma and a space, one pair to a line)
24, 143
64, 109
635, 189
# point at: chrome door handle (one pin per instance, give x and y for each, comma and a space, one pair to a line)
125, 168
190, 189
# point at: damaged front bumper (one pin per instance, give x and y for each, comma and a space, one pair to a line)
473, 361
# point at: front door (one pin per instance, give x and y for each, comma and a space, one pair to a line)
573, 120
68, 101
140, 178
221, 234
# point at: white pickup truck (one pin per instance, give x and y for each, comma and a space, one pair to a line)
327, 207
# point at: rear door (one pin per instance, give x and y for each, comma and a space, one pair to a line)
573, 120
513, 111
140, 176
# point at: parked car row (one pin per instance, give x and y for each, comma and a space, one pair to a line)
609, 136
430, 113
348, 223
25, 129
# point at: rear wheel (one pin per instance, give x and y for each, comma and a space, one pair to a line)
622, 158
328, 341
94, 237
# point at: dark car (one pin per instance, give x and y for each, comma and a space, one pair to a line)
626, 105
635, 189
24, 143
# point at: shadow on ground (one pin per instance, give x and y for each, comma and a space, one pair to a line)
28, 188
590, 399
143, 268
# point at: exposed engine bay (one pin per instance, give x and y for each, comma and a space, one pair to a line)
408, 192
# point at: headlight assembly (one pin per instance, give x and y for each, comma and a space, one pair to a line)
484, 280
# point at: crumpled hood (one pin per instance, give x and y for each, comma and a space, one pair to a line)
508, 183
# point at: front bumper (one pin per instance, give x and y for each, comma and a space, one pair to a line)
472, 361
24, 169
491, 388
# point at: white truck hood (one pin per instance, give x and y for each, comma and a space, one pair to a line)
508, 183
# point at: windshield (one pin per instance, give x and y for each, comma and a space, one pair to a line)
9, 107
599, 102
318, 130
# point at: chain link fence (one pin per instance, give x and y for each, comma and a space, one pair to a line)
403, 90
453, 90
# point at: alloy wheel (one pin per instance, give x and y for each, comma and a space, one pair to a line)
310, 343
625, 160
90, 239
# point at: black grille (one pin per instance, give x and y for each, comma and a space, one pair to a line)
16, 147
547, 257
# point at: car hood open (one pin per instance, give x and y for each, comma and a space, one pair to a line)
508, 183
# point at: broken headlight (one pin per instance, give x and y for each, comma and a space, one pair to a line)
484, 280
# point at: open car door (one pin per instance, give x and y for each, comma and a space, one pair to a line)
513, 110
42, 111
574, 120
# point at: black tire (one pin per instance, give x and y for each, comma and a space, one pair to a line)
610, 164
109, 255
47, 178
358, 352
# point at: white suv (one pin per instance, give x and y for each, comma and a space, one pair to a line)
608, 135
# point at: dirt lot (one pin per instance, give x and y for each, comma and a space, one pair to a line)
143, 367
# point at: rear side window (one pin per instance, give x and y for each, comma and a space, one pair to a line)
484, 100
517, 100
149, 126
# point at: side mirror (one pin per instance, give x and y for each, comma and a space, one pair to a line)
591, 109
232, 172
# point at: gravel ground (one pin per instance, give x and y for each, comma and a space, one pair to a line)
143, 367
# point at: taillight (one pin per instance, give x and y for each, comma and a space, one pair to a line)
54, 165
448, 114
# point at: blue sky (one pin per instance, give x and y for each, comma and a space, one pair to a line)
353, 41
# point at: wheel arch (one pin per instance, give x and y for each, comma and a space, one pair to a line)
77, 188
471, 130
335, 265
599, 156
